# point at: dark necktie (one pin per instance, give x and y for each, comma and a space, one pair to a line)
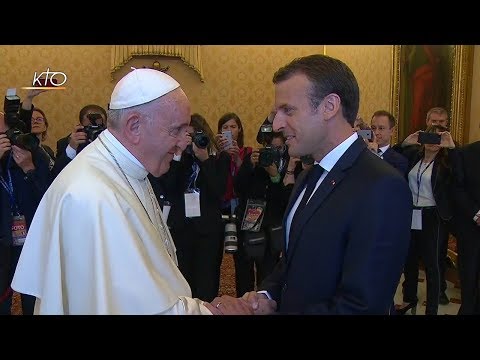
312, 179
379, 152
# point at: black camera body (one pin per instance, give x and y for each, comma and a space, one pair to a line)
11, 106
28, 141
18, 131
200, 139
268, 155
266, 134
94, 129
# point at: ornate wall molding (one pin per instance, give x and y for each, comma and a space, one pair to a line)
189, 54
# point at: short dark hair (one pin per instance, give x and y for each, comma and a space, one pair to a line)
92, 107
391, 118
327, 75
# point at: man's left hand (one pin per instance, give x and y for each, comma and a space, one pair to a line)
23, 158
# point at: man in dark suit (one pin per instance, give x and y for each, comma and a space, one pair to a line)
69, 146
467, 201
347, 226
382, 125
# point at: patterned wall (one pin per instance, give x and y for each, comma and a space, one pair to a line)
88, 80
237, 78
372, 66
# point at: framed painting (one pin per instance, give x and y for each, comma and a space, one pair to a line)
426, 76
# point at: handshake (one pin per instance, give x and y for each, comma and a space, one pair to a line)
252, 303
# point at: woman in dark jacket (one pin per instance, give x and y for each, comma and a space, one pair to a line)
260, 181
431, 180
199, 177
24, 178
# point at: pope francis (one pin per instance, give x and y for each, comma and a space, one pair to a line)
98, 243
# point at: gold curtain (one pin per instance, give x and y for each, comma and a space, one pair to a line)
189, 54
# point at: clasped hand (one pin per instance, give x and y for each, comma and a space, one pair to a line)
252, 303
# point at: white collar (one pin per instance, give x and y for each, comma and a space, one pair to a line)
125, 158
329, 160
384, 148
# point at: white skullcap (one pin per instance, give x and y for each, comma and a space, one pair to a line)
141, 86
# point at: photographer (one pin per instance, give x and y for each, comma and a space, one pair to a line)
92, 120
259, 182
23, 181
198, 179
431, 174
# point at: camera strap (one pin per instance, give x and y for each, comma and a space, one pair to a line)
192, 183
8, 186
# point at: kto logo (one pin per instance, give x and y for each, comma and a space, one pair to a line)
48, 80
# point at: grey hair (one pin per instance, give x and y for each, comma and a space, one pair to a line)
116, 117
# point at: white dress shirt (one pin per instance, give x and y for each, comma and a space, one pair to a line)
327, 163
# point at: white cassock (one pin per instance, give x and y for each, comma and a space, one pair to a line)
97, 246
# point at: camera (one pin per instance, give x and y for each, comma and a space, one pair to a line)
200, 139
231, 241
268, 155
11, 106
17, 128
25, 141
429, 138
366, 134
266, 128
94, 129
266, 134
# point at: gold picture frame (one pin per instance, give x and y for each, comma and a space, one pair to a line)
456, 83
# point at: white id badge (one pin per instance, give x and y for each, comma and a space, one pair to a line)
192, 204
166, 212
417, 219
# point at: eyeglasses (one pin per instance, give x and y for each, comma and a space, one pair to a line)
175, 132
38, 119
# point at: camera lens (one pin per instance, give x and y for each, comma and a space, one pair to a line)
266, 157
231, 238
25, 141
201, 139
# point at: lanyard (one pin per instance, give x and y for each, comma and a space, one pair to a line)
193, 177
419, 176
8, 186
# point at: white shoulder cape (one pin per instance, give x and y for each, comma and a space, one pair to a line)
92, 249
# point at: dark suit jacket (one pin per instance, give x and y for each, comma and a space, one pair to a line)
397, 160
351, 245
467, 189
62, 159
211, 182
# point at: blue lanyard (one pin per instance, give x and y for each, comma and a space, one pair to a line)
193, 177
419, 176
8, 186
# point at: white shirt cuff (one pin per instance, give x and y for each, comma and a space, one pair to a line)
266, 293
177, 157
477, 215
71, 152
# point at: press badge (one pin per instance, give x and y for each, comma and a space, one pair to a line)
417, 219
19, 230
192, 204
